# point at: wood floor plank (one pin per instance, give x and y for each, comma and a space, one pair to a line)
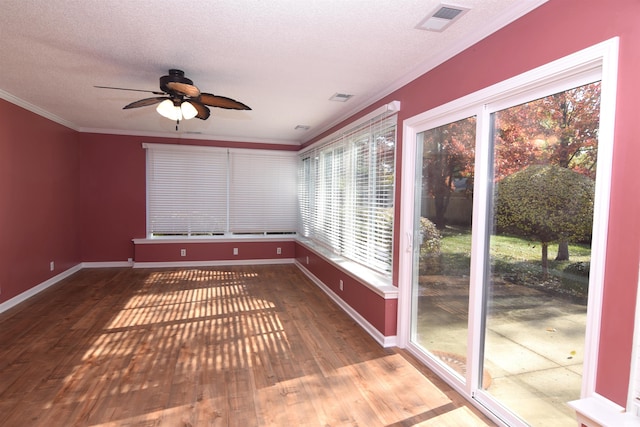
217, 346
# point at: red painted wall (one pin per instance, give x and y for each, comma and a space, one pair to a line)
214, 251
38, 199
70, 198
554, 30
113, 191
379, 312
112, 196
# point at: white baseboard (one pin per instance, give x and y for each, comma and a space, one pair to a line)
384, 341
110, 264
116, 264
38, 288
212, 263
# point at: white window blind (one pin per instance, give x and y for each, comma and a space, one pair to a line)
201, 191
305, 192
263, 192
186, 190
346, 192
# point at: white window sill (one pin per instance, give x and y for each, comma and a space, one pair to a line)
377, 282
216, 239
596, 411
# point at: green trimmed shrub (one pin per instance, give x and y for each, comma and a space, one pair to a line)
547, 203
430, 255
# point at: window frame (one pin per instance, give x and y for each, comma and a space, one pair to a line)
288, 159
600, 61
314, 164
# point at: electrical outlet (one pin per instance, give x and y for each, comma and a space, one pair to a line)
279, 251
341, 285
183, 252
52, 266
235, 251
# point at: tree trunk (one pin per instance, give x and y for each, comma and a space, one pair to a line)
545, 262
563, 251
441, 201
439, 220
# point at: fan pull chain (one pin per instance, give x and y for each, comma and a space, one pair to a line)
177, 123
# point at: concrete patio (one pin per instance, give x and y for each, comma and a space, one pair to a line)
534, 345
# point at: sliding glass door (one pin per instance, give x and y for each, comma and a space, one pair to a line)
442, 230
502, 244
539, 252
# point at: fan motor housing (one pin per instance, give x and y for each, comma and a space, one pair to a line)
176, 76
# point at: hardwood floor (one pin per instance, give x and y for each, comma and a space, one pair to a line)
220, 346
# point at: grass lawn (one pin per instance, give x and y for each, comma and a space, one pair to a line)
518, 260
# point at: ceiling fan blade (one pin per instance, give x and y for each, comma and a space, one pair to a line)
203, 112
221, 102
135, 90
183, 89
145, 102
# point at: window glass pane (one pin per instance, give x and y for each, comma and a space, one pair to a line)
201, 191
347, 191
262, 193
545, 154
186, 191
443, 229
305, 191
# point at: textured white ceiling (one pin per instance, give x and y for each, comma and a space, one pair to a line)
283, 58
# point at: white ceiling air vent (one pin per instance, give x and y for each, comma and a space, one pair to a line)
443, 16
340, 97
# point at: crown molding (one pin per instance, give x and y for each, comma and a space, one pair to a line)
36, 110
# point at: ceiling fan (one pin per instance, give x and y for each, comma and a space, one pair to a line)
181, 99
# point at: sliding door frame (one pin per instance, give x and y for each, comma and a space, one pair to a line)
598, 62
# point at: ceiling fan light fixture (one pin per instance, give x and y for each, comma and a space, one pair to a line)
169, 110
188, 110
173, 110
181, 100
